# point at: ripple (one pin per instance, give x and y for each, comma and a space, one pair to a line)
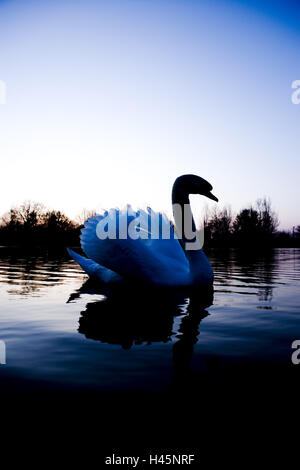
58, 328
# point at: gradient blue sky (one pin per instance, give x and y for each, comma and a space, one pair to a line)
109, 101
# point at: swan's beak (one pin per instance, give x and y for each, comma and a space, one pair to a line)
211, 196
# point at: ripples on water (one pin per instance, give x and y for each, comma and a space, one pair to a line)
59, 331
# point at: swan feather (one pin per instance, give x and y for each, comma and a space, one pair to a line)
155, 260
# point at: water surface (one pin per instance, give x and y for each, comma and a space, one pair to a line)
60, 332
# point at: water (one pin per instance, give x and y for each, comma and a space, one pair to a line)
61, 333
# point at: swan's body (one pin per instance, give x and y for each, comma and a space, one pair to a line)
161, 262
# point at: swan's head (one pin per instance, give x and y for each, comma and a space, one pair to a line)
193, 184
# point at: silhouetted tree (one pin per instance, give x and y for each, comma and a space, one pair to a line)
56, 227
255, 226
11, 220
30, 224
220, 227
84, 215
57, 221
268, 220
245, 226
30, 214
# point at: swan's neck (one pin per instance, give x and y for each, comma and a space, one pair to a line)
183, 217
186, 228
200, 268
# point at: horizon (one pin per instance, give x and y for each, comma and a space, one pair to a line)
208, 215
115, 100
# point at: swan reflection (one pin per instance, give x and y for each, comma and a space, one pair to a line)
147, 317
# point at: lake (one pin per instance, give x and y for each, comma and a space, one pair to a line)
60, 332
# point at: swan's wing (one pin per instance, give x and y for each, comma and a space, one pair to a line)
95, 270
148, 257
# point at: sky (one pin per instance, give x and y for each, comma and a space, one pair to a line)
107, 102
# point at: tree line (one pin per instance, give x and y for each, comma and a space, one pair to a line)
32, 224
253, 226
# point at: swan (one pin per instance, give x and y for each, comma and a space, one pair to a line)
148, 258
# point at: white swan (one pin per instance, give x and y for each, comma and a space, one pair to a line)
162, 262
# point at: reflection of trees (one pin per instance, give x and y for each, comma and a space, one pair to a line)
259, 267
27, 274
254, 270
